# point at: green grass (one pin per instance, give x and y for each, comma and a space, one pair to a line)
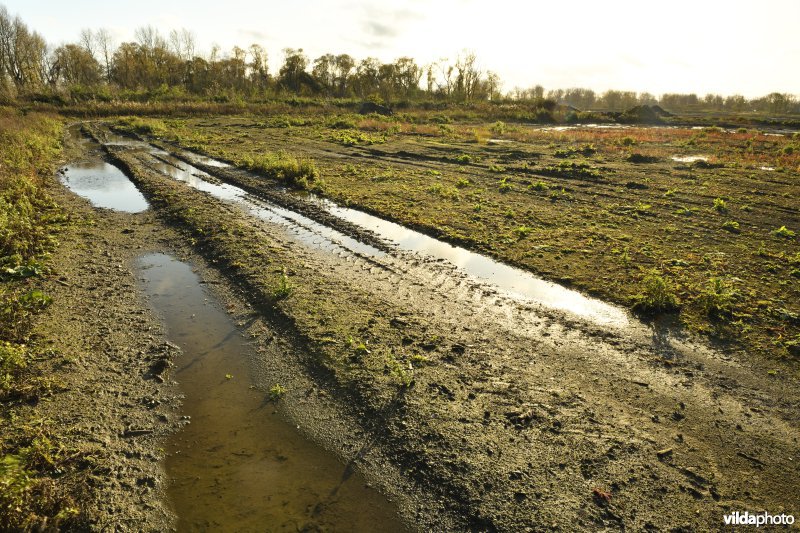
31, 463
298, 172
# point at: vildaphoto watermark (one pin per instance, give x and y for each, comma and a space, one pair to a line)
747, 518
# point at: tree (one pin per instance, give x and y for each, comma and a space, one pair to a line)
292, 76
493, 85
259, 71
75, 65
344, 67
105, 46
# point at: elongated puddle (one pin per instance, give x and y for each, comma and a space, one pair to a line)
104, 185
238, 466
513, 281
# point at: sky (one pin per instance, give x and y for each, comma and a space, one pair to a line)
748, 47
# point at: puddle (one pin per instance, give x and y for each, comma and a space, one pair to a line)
238, 465
104, 185
689, 158
591, 126
303, 228
515, 282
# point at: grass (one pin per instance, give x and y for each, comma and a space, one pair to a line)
32, 465
298, 172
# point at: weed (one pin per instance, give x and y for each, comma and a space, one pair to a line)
522, 231
504, 186
498, 128
464, 159
720, 205
404, 375
276, 392
538, 186
462, 182
571, 169
732, 226
284, 287
584, 150
496, 168
784, 233
717, 299
657, 295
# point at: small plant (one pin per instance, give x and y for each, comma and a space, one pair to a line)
538, 186
284, 287
496, 168
584, 150
522, 231
404, 375
276, 392
718, 297
504, 186
784, 233
464, 159
657, 295
462, 182
498, 128
627, 141
732, 226
720, 205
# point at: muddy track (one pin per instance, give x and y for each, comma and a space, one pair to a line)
518, 416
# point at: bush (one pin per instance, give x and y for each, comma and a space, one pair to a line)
657, 295
717, 299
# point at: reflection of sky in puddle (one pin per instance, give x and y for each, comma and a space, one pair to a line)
207, 160
104, 185
514, 281
689, 158
303, 228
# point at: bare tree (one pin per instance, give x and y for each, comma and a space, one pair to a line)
88, 42
105, 45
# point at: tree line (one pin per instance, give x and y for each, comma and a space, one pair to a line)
96, 67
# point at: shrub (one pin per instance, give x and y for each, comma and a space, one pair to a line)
717, 299
657, 295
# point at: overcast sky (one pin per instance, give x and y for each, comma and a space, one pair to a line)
749, 47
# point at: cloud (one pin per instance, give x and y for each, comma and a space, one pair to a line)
255, 34
379, 30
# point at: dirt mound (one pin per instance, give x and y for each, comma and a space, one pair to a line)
641, 114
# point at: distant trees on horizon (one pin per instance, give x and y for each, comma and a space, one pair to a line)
170, 67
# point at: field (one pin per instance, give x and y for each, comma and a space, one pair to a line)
468, 408
695, 222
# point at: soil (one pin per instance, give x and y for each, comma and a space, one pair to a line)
470, 410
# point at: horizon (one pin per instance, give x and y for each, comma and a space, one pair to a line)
629, 60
